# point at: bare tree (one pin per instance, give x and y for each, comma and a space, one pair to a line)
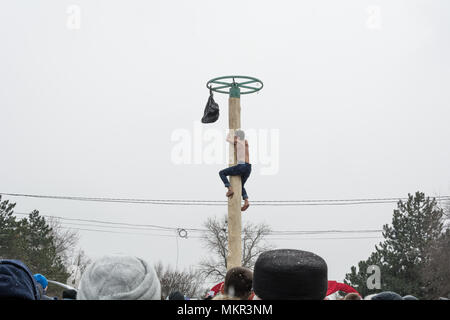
74, 259
216, 241
65, 240
188, 282
447, 214
78, 265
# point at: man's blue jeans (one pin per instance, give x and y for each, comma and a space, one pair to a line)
243, 170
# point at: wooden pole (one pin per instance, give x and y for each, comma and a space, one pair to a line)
234, 258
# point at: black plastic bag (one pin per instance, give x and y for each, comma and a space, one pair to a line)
211, 113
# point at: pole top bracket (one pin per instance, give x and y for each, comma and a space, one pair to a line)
230, 85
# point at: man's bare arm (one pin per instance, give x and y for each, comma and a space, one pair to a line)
230, 137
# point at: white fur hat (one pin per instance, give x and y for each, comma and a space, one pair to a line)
119, 278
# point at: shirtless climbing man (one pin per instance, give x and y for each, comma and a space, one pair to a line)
243, 167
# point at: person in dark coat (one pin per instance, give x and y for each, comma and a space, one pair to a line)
42, 284
17, 282
43, 292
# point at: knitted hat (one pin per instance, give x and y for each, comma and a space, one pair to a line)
287, 274
41, 279
387, 295
119, 278
16, 281
238, 282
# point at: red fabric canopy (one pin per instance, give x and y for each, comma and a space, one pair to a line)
334, 286
218, 288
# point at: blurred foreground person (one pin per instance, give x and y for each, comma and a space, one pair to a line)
387, 295
352, 296
117, 277
225, 297
409, 297
287, 274
41, 280
238, 283
17, 282
176, 295
42, 284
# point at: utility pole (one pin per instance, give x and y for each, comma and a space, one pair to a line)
234, 203
234, 258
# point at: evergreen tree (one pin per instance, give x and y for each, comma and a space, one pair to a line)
403, 255
32, 241
7, 228
436, 273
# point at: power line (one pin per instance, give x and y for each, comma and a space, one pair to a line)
300, 233
143, 227
203, 237
199, 237
110, 227
130, 233
308, 202
322, 232
339, 238
149, 226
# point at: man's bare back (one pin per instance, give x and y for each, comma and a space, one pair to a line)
246, 157
243, 166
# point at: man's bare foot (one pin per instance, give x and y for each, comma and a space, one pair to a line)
230, 192
246, 205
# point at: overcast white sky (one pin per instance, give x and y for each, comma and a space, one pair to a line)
358, 91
